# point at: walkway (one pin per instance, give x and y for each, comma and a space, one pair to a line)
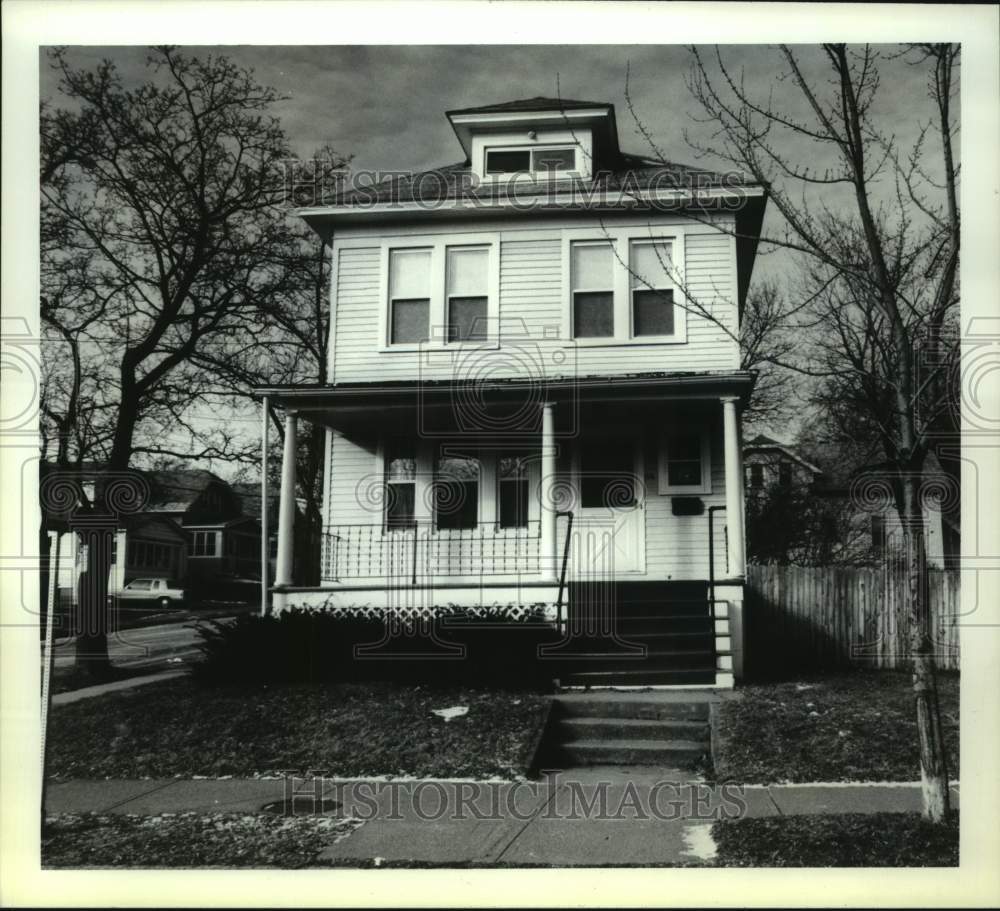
577, 817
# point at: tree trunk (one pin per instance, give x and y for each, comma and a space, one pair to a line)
933, 761
92, 618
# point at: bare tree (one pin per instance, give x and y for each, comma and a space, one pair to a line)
161, 225
877, 235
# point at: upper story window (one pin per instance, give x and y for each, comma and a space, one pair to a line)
468, 293
756, 476
623, 287
437, 293
409, 295
652, 288
592, 281
784, 474
544, 161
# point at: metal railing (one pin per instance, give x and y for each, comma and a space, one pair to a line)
374, 551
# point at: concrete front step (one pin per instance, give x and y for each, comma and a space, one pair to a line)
679, 753
697, 676
571, 729
689, 705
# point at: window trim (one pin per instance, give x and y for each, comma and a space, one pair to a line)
438, 316
664, 488
621, 239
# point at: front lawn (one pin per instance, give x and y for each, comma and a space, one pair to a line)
848, 727
850, 840
188, 840
177, 728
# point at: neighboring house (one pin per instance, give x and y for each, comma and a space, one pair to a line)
768, 463
193, 529
534, 389
249, 498
222, 541
853, 508
875, 520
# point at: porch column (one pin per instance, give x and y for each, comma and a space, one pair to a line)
265, 530
286, 511
734, 488
548, 557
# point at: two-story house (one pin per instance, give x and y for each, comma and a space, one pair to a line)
533, 392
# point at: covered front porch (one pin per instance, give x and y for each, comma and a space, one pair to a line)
518, 497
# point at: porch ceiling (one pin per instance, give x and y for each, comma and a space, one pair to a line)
349, 403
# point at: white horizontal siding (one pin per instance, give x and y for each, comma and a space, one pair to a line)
355, 483
531, 310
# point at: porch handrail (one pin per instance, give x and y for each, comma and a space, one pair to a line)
565, 562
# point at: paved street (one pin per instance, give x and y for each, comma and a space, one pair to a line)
142, 646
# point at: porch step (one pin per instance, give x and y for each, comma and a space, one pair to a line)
674, 753
680, 705
704, 676
618, 728
632, 658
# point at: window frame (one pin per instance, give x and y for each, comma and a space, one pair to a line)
664, 488
621, 238
439, 245
671, 286
531, 148
573, 291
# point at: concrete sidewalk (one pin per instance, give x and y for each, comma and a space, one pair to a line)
577, 817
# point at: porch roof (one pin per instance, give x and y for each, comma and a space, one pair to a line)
409, 394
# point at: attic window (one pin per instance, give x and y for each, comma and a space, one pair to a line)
543, 161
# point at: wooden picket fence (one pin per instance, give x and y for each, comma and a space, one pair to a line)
799, 618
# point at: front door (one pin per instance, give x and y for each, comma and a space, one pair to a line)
609, 522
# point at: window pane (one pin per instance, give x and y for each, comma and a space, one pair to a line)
651, 264
507, 162
652, 312
593, 314
400, 463
457, 503
683, 473
409, 273
513, 503
456, 492
410, 321
553, 159
591, 267
467, 271
399, 505
466, 319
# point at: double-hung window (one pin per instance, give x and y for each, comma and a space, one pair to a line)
684, 466
467, 301
400, 484
651, 287
456, 492
409, 295
592, 289
512, 491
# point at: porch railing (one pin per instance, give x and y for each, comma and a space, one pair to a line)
422, 550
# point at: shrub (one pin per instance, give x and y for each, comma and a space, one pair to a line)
493, 649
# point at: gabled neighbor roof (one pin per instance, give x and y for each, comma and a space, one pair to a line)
762, 441
177, 489
538, 103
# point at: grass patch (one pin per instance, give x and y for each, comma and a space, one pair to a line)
344, 729
188, 840
70, 678
849, 840
857, 726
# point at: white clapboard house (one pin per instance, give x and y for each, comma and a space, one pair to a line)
533, 393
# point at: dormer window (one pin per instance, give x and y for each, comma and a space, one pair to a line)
540, 161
